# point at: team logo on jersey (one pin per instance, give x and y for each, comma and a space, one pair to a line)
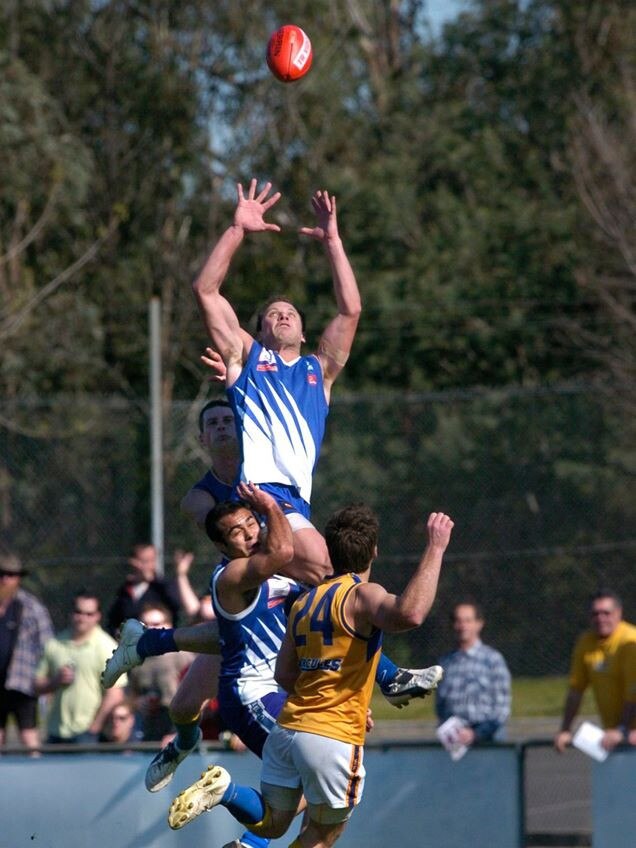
275, 602
317, 664
266, 361
312, 379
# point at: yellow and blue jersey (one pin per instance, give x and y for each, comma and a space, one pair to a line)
337, 665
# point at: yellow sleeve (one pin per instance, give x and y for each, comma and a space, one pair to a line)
579, 678
629, 671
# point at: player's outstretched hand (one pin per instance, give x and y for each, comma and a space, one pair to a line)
324, 206
214, 361
259, 500
439, 528
249, 214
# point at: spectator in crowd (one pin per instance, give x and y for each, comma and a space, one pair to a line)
195, 608
119, 725
25, 627
604, 658
70, 671
142, 586
476, 683
153, 684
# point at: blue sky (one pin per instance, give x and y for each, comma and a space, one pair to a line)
440, 11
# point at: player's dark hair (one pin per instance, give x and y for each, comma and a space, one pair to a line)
604, 592
351, 535
277, 299
210, 405
219, 511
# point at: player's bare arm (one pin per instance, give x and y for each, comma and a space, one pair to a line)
196, 504
219, 317
287, 671
337, 339
272, 553
372, 605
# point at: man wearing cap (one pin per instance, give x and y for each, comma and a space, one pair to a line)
25, 626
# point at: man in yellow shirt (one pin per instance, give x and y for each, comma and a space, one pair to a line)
605, 659
70, 672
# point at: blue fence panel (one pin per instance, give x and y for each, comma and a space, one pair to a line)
614, 801
418, 795
74, 800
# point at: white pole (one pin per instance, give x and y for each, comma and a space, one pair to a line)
156, 433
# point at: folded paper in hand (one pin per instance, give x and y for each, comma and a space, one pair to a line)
588, 739
447, 733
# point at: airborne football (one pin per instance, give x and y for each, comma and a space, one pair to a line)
289, 53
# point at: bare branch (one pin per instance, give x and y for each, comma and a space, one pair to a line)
13, 323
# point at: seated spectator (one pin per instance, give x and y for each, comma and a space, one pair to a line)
119, 725
142, 586
153, 684
70, 671
476, 683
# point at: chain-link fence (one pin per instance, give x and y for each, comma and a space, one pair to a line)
540, 484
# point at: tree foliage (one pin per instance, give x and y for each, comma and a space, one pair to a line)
485, 186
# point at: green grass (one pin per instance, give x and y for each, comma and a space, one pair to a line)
531, 697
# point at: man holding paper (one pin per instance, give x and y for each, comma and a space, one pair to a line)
473, 700
604, 658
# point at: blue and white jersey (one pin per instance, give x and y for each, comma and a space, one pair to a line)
219, 490
250, 640
280, 410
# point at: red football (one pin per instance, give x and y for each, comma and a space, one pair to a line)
289, 53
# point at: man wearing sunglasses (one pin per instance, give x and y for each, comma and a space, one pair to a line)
25, 626
604, 658
70, 671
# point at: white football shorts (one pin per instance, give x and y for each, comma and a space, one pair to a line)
329, 772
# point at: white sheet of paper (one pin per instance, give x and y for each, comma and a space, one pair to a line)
447, 735
588, 739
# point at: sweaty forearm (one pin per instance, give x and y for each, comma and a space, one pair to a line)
217, 264
279, 543
344, 280
415, 602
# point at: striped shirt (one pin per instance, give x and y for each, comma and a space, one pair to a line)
34, 630
475, 688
